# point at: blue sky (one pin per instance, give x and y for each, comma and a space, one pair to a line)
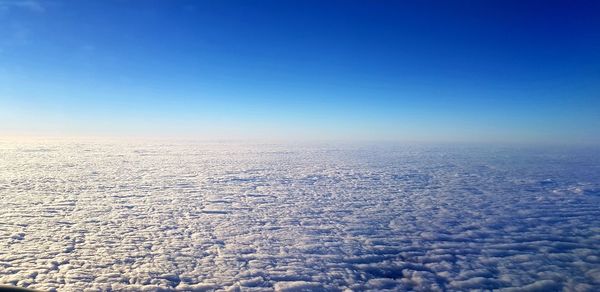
466, 71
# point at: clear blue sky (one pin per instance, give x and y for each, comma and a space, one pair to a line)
480, 71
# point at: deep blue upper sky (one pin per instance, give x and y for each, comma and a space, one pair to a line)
481, 71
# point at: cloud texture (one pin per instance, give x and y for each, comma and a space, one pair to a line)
203, 217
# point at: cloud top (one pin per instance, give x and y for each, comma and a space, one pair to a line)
202, 217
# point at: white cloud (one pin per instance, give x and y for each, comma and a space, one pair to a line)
201, 217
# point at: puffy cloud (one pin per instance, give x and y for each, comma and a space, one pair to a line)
204, 217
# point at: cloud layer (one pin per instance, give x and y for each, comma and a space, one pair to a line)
205, 217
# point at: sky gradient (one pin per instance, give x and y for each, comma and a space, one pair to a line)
466, 71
